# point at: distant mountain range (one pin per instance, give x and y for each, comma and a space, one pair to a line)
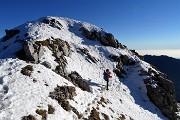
169, 66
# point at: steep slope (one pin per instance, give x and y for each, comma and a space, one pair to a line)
168, 65
52, 68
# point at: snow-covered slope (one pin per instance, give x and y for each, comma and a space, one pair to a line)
22, 95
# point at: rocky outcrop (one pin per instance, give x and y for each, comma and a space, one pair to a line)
62, 94
137, 54
53, 23
57, 46
47, 64
162, 93
77, 80
121, 61
107, 39
59, 49
33, 51
10, 33
89, 56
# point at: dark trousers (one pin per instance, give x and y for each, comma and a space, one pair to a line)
107, 85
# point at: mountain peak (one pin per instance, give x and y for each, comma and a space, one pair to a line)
54, 67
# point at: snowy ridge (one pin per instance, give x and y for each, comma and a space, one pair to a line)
21, 96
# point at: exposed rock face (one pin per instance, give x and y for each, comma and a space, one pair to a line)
10, 33
89, 56
137, 54
77, 80
107, 39
162, 93
33, 51
121, 60
60, 49
57, 46
53, 23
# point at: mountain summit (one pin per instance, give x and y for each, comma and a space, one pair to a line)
52, 68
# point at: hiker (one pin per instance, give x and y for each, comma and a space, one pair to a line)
107, 77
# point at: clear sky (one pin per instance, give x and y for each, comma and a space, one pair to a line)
139, 24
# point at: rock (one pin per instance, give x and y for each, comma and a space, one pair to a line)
162, 93
27, 70
119, 73
86, 33
61, 70
119, 70
93, 59
65, 48
107, 39
53, 23
43, 113
85, 51
77, 80
10, 33
33, 51
111, 40
104, 41
124, 59
89, 56
61, 94
115, 58
94, 115
51, 109
47, 64
137, 54
29, 117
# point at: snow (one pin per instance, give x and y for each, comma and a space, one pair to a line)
126, 96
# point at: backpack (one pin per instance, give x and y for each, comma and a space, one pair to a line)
105, 76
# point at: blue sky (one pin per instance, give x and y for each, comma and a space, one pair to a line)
139, 24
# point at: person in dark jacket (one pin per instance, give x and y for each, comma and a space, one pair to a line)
107, 76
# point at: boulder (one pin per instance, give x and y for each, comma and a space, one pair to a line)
33, 51
47, 64
77, 80
27, 70
65, 48
119, 73
29, 117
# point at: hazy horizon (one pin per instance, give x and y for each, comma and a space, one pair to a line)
175, 53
